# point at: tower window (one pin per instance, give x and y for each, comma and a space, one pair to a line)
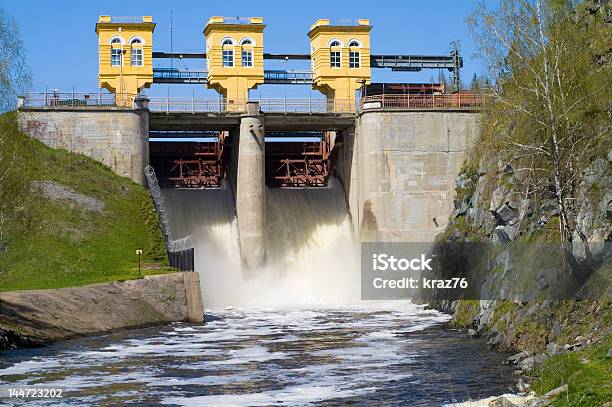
227, 53
115, 52
115, 56
334, 43
228, 58
247, 59
335, 59
136, 57
354, 59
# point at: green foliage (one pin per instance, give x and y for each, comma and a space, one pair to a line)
15, 75
49, 243
549, 62
587, 374
465, 313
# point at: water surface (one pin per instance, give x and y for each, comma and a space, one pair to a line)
366, 354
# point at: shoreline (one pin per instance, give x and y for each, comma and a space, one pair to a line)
32, 318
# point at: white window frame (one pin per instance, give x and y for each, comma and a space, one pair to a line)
227, 57
335, 59
116, 56
354, 59
136, 55
249, 54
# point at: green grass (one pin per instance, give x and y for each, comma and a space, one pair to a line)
52, 244
587, 374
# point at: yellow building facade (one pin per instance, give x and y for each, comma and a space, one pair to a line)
340, 58
234, 57
125, 47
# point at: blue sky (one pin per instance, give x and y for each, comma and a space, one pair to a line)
61, 43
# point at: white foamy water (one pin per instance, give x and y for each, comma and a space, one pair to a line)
311, 254
260, 356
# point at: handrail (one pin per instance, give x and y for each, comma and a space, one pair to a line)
461, 100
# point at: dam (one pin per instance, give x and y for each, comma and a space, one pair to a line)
387, 152
396, 166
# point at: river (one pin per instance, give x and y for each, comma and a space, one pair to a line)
368, 354
292, 333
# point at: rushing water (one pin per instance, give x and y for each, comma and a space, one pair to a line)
372, 354
292, 333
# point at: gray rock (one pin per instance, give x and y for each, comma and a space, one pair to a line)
472, 332
552, 349
518, 357
532, 362
556, 392
609, 354
574, 346
522, 386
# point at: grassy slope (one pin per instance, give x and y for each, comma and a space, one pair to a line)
587, 374
50, 244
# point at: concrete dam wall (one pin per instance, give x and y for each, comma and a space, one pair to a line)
116, 137
398, 168
399, 171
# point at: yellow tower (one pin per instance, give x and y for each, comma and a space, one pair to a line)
125, 55
234, 56
340, 57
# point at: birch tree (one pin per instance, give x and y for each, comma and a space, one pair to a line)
550, 107
15, 75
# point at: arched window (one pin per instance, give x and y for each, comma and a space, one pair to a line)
115, 44
136, 53
354, 54
335, 54
227, 52
247, 52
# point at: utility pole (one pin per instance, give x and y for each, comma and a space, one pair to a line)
171, 42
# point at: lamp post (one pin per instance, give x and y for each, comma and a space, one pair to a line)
139, 253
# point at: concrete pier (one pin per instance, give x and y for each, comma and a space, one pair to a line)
250, 187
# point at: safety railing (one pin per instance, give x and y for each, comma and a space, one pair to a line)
74, 99
193, 105
442, 101
276, 105
307, 105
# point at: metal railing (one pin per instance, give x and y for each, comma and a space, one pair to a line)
126, 19
443, 101
193, 105
71, 99
58, 99
277, 105
286, 105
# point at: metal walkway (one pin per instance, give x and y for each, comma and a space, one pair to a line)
175, 75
